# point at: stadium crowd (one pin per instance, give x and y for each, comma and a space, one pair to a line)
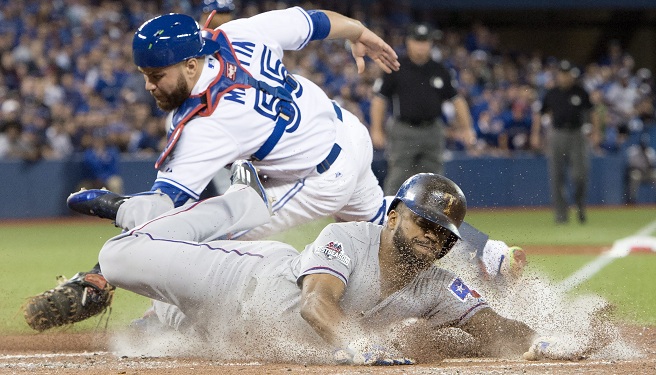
68, 84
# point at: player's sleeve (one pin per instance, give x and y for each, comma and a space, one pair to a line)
291, 28
450, 89
385, 86
587, 104
331, 253
453, 301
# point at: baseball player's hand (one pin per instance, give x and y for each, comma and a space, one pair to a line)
553, 347
363, 352
370, 44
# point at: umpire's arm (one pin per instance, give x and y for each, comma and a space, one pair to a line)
499, 336
320, 307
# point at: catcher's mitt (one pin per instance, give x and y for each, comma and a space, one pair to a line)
81, 297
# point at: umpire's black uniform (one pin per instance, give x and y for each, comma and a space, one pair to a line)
415, 132
569, 106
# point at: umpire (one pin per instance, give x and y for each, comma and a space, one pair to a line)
414, 137
569, 107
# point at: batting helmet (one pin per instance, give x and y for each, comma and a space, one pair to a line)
435, 198
169, 39
221, 6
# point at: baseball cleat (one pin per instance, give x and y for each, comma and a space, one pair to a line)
96, 202
243, 172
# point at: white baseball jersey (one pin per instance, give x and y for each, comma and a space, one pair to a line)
245, 117
225, 286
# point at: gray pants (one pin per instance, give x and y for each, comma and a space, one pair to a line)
411, 150
568, 150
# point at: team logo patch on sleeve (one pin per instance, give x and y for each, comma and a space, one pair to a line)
334, 250
462, 291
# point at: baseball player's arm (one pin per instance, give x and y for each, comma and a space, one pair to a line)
364, 42
499, 336
536, 128
320, 307
466, 132
377, 111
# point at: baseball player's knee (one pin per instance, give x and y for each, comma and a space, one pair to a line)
113, 260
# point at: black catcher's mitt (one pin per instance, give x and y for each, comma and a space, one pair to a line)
81, 297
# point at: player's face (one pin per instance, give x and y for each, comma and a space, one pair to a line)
167, 85
418, 240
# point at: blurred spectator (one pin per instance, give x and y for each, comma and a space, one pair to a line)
59, 144
640, 167
224, 12
151, 139
516, 127
100, 166
70, 62
622, 96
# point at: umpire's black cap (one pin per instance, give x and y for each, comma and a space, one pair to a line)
423, 32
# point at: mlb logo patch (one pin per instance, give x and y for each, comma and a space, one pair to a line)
231, 71
334, 250
462, 291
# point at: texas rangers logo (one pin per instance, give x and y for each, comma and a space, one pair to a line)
334, 250
462, 291
231, 71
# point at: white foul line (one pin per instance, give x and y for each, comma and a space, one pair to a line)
620, 249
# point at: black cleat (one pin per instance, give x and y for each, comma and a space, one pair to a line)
96, 202
243, 172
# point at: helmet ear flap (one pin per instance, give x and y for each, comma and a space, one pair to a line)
448, 245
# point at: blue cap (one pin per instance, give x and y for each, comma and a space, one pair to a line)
221, 6
169, 39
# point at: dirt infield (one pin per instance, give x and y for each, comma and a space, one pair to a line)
62, 353
91, 353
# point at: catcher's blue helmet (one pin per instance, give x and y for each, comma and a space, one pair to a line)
169, 39
221, 6
435, 198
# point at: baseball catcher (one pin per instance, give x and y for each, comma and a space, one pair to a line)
83, 296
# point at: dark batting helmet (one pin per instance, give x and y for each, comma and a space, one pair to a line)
169, 39
436, 199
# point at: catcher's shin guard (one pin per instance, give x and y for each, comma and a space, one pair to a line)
83, 296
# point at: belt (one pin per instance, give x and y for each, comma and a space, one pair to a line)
335, 151
417, 123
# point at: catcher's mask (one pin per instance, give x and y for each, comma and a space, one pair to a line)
169, 39
437, 199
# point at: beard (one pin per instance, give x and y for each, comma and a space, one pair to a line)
407, 255
171, 101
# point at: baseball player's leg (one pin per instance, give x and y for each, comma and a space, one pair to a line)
557, 172
403, 152
140, 208
238, 209
580, 159
433, 145
366, 203
302, 201
348, 181
167, 259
